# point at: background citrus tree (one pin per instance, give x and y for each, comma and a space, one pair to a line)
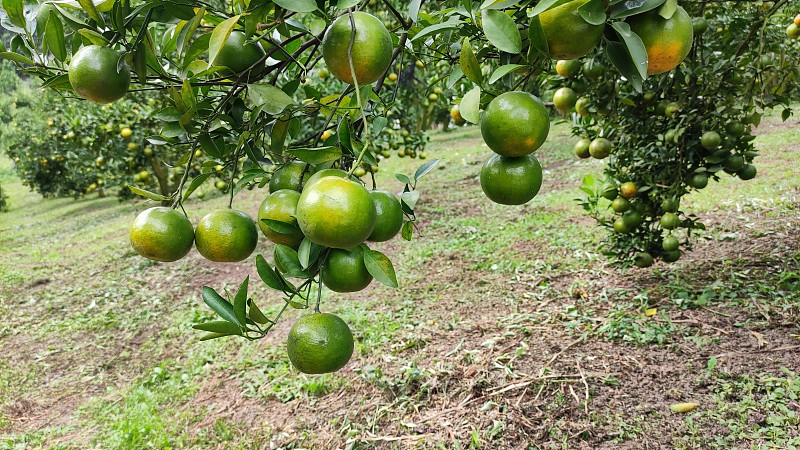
232, 84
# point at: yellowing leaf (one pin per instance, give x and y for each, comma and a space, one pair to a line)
683, 407
650, 312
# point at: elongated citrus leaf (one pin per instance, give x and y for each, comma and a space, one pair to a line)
621, 59
219, 305
470, 105
219, 37
318, 155
54, 34
344, 4
469, 63
300, 6
286, 258
438, 28
240, 301
380, 267
407, 231
502, 31
219, 326
425, 169
593, 12
272, 99
307, 253
543, 6
88, 7
268, 275
187, 32
15, 10
147, 194
93, 36
502, 71
210, 336
255, 314
668, 9
683, 407
279, 226
626, 9
536, 36
16, 57
196, 183
497, 4
634, 46
413, 9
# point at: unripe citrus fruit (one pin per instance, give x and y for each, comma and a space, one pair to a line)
126, 132
628, 189
281, 206
336, 212
515, 124
710, 140
620, 205
643, 259
733, 163
581, 148
667, 41
389, 217
511, 180
620, 226
238, 55
735, 129
319, 343
671, 256
699, 25
568, 68
592, 69
344, 270
582, 106
670, 243
670, 205
568, 35
600, 148
670, 221
288, 176
325, 173
564, 99
698, 181
94, 76
162, 234
226, 235
748, 172
371, 53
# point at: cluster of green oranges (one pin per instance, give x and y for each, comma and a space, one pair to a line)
321, 205
514, 125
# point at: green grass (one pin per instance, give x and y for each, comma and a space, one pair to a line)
88, 321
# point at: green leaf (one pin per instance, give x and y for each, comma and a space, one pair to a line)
88, 7
187, 32
407, 231
196, 183
413, 9
16, 57
219, 326
210, 336
502, 31
240, 301
308, 252
56, 81
668, 9
626, 9
502, 71
54, 35
300, 6
634, 46
219, 305
280, 130
318, 155
279, 226
469, 63
148, 194
255, 314
16, 12
425, 169
380, 267
287, 258
537, 37
543, 6
452, 24
497, 4
402, 178
268, 275
272, 99
593, 12
470, 105
619, 56
408, 200
93, 36
219, 36
344, 4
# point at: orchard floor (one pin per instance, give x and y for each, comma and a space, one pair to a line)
509, 330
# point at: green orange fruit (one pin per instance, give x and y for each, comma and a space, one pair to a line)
581, 148
280, 206
748, 172
511, 180
289, 176
344, 270
667, 41
336, 212
710, 140
325, 173
238, 55
564, 99
390, 216
620, 205
670, 221
643, 259
568, 35
698, 181
319, 343
600, 148
96, 74
568, 68
628, 189
371, 52
670, 243
515, 124
226, 235
582, 106
162, 234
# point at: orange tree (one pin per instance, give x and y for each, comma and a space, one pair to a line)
234, 82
